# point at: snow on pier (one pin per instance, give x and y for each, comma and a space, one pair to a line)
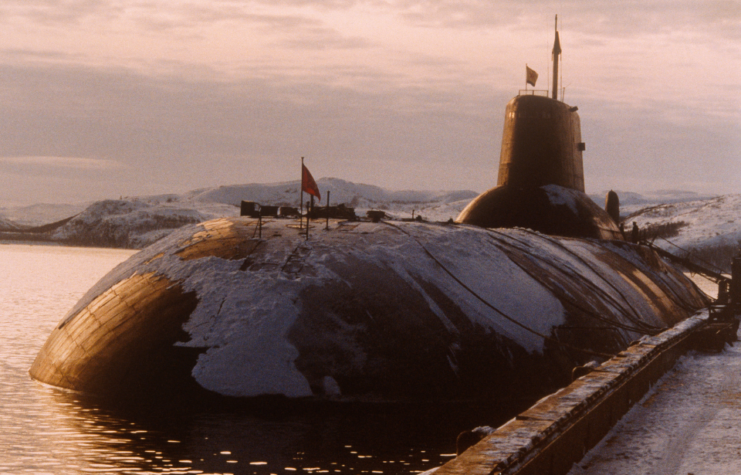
690, 422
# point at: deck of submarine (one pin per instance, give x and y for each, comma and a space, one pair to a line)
421, 311
689, 423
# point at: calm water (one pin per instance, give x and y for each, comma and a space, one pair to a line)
44, 430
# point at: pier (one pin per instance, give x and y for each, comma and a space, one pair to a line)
688, 423
557, 432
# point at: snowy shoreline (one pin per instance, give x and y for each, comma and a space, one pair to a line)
685, 223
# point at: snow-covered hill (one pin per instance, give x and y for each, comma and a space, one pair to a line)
630, 201
139, 221
122, 223
707, 229
433, 205
8, 225
706, 225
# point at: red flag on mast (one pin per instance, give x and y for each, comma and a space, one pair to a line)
530, 76
308, 184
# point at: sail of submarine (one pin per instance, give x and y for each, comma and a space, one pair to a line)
389, 311
541, 172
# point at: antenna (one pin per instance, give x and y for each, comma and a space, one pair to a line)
556, 54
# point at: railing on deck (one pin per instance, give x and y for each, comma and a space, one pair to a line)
533, 92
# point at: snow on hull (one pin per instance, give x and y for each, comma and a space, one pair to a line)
385, 311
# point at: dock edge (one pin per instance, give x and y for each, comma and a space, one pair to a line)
556, 432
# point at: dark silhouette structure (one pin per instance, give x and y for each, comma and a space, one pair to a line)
541, 174
612, 206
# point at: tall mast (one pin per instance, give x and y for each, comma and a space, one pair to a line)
556, 53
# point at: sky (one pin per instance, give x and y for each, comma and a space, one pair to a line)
109, 98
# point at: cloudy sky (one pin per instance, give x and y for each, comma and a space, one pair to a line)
102, 98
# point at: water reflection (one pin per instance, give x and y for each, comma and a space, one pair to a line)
264, 440
77, 434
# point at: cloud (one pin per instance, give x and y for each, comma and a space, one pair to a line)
403, 94
592, 17
197, 17
54, 12
601, 18
322, 38
76, 163
187, 134
157, 15
174, 133
54, 179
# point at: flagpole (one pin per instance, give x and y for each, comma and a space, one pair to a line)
301, 213
327, 227
307, 218
308, 184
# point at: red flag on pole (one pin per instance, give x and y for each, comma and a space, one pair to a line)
308, 184
530, 76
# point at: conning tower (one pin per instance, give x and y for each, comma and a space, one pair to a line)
541, 144
541, 173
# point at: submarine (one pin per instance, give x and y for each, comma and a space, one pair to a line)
531, 280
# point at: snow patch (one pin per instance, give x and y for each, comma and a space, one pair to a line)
558, 195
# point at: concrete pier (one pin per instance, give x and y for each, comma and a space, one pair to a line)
690, 422
557, 431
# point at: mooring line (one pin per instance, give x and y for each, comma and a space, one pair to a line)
482, 300
642, 327
586, 311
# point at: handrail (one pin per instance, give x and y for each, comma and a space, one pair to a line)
533, 92
691, 266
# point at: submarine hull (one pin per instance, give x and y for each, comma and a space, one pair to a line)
386, 311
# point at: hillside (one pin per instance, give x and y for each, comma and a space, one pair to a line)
8, 225
433, 205
137, 222
631, 202
707, 229
705, 226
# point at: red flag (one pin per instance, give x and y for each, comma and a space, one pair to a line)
308, 184
530, 76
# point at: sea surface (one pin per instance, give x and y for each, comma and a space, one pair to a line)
46, 430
